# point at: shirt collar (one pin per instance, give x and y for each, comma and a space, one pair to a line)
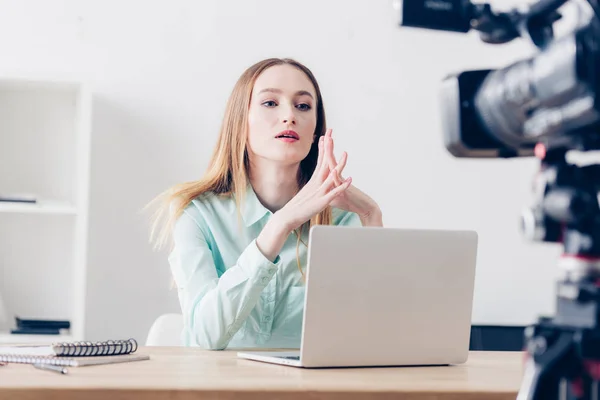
252, 209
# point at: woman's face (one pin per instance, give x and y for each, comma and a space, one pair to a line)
282, 115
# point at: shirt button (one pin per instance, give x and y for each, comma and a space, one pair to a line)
271, 298
273, 270
265, 279
267, 318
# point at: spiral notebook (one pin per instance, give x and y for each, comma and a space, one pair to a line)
73, 354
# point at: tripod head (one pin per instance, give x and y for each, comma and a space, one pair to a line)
566, 210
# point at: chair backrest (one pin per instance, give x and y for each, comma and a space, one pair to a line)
497, 338
166, 331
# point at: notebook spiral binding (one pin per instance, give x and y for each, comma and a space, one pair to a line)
66, 353
89, 349
64, 362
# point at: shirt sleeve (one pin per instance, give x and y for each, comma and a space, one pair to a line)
214, 308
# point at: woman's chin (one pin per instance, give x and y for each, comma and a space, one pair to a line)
287, 161
290, 157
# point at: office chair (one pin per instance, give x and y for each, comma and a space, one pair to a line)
166, 331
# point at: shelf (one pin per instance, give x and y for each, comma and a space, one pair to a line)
45, 146
44, 207
7, 338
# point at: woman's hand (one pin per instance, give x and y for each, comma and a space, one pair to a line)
352, 199
314, 197
323, 187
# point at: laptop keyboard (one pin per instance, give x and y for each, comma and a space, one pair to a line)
290, 357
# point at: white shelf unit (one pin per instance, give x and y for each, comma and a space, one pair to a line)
45, 133
41, 207
7, 338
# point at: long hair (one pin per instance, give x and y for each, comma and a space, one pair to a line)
228, 170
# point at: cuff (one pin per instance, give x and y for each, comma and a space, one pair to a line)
256, 266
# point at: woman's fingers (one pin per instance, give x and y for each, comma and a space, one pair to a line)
329, 156
339, 168
338, 190
329, 182
326, 162
320, 156
322, 170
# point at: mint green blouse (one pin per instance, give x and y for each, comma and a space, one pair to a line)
230, 294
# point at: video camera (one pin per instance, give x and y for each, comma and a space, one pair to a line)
545, 106
551, 98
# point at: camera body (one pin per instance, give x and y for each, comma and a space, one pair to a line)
552, 98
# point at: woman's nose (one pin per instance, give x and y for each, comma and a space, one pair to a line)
289, 117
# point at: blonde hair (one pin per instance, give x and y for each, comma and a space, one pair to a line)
227, 173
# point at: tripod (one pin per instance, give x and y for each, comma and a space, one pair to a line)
563, 353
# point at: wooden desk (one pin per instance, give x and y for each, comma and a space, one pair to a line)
186, 373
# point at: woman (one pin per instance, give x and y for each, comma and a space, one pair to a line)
240, 233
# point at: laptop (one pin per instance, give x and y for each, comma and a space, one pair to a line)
384, 297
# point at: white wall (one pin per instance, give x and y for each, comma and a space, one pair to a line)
161, 73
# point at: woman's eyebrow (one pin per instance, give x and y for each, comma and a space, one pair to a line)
298, 93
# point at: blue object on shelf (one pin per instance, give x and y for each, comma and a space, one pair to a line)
26, 331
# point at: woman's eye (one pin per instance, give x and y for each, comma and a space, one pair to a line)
269, 103
303, 107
